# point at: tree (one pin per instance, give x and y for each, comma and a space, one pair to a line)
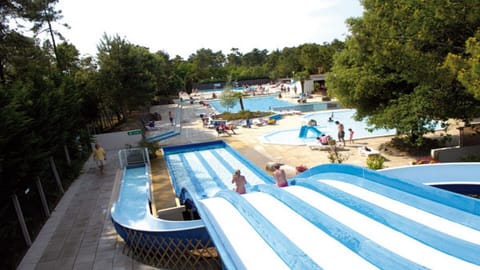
391, 69
309, 57
126, 75
467, 68
208, 64
44, 13
182, 76
254, 58
229, 98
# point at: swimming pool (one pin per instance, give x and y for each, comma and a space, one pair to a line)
291, 136
346, 118
253, 104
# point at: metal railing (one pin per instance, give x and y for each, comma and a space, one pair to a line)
171, 253
133, 157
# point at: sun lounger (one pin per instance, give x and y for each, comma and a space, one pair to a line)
366, 151
259, 122
221, 131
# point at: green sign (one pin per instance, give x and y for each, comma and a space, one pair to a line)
134, 132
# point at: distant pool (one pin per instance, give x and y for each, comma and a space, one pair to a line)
291, 136
254, 104
346, 118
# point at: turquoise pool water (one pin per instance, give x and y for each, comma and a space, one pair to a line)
263, 104
291, 136
346, 118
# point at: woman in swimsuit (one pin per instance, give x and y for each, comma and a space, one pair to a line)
240, 182
280, 176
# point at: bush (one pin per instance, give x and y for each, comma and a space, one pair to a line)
243, 115
333, 154
425, 160
152, 147
421, 146
375, 162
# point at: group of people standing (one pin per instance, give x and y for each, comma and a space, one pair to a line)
240, 181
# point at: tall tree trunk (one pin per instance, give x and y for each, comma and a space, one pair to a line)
54, 44
241, 104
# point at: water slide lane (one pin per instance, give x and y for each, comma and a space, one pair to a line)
132, 209
229, 229
405, 246
293, 256
442, 221
453, 207
328, 239
206, 172
231, 163
422, 226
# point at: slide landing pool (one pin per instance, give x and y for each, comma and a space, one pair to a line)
329, 217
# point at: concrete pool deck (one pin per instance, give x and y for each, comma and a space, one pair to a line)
80, 234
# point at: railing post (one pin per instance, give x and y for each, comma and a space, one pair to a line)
43, 198
57, 176
67, 155
21, 220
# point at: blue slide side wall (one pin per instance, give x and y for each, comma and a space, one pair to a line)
434, 194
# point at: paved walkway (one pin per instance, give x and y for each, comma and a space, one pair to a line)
79, 233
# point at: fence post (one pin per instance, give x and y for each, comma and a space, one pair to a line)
67, 155
43, 198
21, 220
57, 177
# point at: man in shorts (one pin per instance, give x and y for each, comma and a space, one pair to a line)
341, 132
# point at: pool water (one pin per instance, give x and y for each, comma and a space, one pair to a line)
291, 136
253, 104
346, 118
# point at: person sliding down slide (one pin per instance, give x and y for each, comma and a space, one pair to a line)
280, 176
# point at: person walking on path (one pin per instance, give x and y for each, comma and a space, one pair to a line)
239, 180
100, 156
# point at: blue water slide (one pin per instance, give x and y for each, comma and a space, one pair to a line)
131, 214
350, 205
305, 130
332, 216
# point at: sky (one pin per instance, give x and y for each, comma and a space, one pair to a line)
181, 27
